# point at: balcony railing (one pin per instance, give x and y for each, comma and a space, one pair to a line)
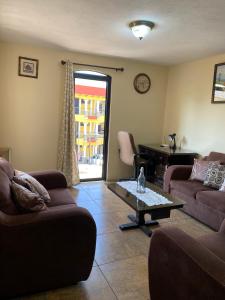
89, 113
89, 137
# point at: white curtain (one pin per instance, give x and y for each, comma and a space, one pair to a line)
67, 158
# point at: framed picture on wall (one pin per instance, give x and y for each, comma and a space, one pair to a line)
28, 67
218, 91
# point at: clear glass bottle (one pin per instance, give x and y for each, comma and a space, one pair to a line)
141, 182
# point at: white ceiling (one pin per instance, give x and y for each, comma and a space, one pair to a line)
185, 29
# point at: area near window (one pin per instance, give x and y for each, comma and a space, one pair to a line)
90, 119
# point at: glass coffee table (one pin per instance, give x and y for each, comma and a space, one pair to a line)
141, 208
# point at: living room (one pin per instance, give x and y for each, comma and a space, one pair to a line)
181, 71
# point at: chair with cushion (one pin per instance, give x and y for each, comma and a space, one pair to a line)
181, 267
44, 249
128, 153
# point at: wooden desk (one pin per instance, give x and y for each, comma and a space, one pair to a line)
162, 157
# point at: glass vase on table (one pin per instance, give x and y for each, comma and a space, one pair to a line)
141, 182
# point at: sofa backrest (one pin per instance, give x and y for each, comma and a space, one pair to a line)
216, 156
6, 174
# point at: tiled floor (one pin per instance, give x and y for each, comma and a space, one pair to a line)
120, 267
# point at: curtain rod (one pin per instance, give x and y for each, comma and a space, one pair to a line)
96, 66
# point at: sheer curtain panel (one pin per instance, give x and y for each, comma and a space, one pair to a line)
67, 157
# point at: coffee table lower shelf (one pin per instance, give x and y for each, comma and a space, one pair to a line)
138, 221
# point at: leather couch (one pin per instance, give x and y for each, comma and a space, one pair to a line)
43, 250
181, 267
202, 202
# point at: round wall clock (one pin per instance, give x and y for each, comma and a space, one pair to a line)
142, 83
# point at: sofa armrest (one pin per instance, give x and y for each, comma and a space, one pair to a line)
46, 250
52, 214
222, 227
177, 172
50, 179
183, 268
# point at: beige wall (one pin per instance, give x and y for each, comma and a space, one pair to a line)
189, 112
30, 109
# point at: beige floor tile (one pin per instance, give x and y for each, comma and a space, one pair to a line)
82, 199
104, 223
191, 228
97, 187
80, 194
120, 217
111, 204
128, 278
116, 246
95, 288
97, 193
177, 214
139, 239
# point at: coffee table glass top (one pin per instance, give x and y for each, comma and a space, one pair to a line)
139, 205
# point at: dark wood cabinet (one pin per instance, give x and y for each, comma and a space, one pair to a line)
162, 157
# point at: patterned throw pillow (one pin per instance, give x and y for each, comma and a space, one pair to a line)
215, 176
200, 168
25, 199
222, 189
32, 184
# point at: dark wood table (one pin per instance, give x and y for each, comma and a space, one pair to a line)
162, 157
141, 209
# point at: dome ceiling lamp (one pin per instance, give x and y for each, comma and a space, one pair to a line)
141, 28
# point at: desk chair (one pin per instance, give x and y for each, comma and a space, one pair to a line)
128, 153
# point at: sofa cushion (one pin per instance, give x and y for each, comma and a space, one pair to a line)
188, 187
213, 199
6, 167
215, 176
6, 203
27, 200
214, 242
60, 196
216, 156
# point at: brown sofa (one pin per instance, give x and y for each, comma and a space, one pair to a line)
202, 202
181, 267
43, 250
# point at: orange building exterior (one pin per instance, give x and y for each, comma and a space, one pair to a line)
89, 120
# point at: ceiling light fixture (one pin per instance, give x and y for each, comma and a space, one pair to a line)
141, 28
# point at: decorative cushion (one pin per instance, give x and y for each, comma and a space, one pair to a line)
25, 199
200, 168
215, 176
222, 188
32, 184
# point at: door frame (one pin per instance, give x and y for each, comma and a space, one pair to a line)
108, 80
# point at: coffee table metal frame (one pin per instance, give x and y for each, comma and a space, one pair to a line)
141, 209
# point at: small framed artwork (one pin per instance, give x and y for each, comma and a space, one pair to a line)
28, 67
218, 91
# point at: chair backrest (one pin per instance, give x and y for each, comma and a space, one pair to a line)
127, 148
